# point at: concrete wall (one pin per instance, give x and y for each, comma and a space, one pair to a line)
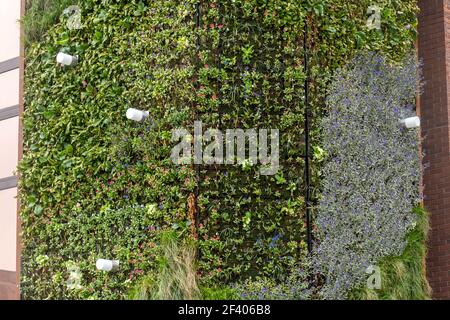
10, 92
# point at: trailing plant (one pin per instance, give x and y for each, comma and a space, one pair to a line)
371, 178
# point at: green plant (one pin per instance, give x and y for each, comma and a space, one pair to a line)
219, 293
125, 234
41, 15
371, 177
403, 277
176, 277
294, 287
79, 170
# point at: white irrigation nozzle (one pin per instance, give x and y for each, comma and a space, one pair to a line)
137, 115
107, 265
411, 123
66, 59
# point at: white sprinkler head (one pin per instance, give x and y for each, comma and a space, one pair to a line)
66, 59
107, 265
411, 123
137, 115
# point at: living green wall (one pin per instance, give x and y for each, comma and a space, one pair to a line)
95, 185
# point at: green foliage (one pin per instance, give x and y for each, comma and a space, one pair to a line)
41, 15
123, 235
176, 277
83, 158
219, 293
294, 287
73, 166
403, 277
250, 75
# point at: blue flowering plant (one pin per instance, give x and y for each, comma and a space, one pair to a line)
371, 177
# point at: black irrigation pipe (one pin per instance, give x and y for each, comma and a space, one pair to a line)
197, 166
307, 140
219, 57
243, 195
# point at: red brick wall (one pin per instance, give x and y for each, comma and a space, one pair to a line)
434, 50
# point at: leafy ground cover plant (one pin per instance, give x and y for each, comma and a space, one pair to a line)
295, 286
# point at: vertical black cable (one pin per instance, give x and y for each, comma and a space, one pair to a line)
197, 166
219, 66
307, 140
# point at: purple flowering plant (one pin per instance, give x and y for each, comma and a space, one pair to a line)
371, 177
